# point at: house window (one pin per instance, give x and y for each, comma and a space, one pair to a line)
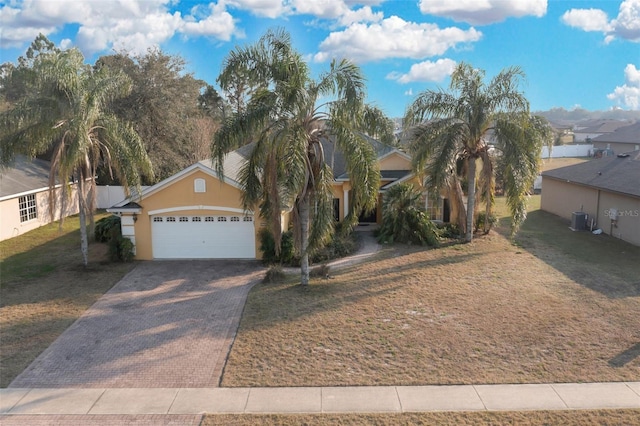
196, 219
433, 206
199, 185
183, 219
235, 219
247, 219
157, 219
27, 205
336, 209
222, 219
171, 219
208, 219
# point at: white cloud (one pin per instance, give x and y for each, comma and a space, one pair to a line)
426, 71
393, 38
483, 12
219, 24
587, 19
266, 8
339, 10
132, 25
626, 25
629, 93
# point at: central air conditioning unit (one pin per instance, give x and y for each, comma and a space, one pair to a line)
578, 221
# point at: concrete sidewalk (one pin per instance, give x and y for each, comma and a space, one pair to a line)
15, 403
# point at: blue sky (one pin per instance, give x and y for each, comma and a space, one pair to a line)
574, 53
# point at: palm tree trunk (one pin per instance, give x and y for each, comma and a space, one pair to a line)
303, 209
82, 211
471, 198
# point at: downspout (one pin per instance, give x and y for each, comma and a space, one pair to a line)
598, 208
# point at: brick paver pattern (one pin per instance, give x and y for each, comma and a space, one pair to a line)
167, 324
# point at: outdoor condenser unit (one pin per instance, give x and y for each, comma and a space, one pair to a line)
578, 221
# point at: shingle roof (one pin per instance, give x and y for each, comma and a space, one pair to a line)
600, 125
23, 176
617, 174
626, 134
233, 162
335, 158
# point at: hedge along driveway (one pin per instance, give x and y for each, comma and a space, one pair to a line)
165, 324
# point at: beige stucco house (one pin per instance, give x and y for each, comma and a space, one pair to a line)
606, 190
25, 198
196, 214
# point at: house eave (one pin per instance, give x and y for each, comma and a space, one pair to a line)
29, 192
586, 185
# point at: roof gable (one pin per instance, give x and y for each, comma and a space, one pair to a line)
203, 166
617, 174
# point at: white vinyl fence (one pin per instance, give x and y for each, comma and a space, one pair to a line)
582, 150
109, 195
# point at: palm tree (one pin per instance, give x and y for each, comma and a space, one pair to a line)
66, 113
404, 219
449, 133
286, 169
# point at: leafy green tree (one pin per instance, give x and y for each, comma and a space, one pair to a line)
65, 112
212, 104
404, 219
15, 81
286, 122
163, 107
452, 128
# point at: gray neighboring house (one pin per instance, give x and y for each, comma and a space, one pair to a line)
586, 131
24, 198
607, 190
624, 139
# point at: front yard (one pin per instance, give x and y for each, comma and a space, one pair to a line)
556, 306
44, 288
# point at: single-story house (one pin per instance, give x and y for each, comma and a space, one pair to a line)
603, 193
25, 198
195, 214
623, 139
591, 129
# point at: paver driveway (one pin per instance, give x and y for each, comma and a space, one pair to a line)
165, 324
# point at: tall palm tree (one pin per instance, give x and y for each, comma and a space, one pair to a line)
286, 123
66, 113
449, 132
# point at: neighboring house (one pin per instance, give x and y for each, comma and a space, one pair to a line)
195, 214
624, 139
606, 190
587, 131
563, 131
25, 198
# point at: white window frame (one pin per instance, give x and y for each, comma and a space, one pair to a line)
28, 208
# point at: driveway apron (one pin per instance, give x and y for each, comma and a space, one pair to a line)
166, 324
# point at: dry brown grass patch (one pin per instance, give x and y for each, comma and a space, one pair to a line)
486, 312
565, 418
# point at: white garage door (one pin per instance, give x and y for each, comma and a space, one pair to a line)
203, 237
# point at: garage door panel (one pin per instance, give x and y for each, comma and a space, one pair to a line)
203, 237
